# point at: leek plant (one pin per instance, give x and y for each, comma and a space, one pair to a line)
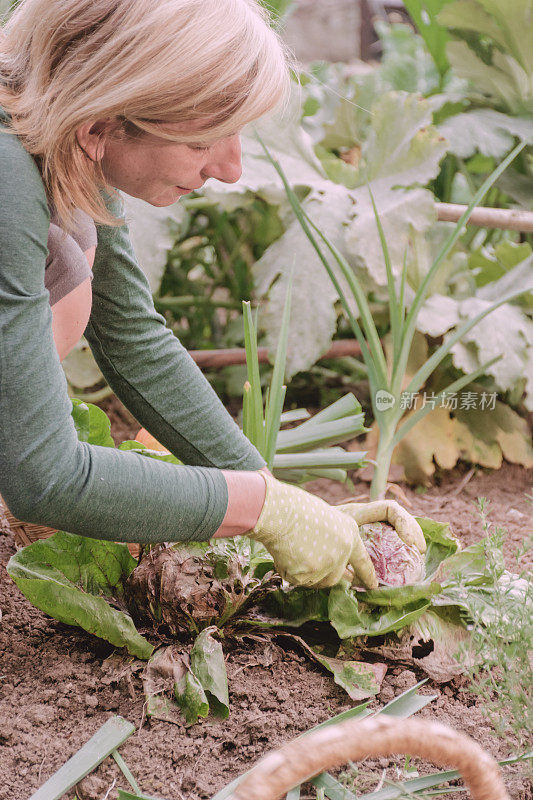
305, 452
386, 374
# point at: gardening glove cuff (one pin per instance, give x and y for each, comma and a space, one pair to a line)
311, 542
389, 511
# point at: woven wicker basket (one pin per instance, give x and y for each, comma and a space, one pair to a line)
356, 740
27, 533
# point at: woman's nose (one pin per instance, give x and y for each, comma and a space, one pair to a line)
225, 161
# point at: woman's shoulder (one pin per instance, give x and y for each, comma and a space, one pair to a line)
19, 173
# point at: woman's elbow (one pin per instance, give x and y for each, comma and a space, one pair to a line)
30, 498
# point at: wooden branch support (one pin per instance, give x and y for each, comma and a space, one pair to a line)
506, 218
237, 355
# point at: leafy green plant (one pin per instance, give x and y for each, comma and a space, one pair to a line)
303, 452
193, 593
491, 47
424, 14
498, 654
386, 377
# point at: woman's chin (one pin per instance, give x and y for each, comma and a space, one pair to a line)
167, 198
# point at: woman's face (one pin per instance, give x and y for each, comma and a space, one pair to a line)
160, 171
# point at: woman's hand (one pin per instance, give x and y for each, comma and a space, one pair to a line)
389, 511
311, 542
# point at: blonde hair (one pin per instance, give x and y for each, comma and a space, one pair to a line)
139, 64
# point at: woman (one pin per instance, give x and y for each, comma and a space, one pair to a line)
147, 97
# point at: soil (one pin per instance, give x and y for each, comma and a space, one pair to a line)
58, 685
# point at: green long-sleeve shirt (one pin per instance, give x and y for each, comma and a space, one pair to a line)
46, 475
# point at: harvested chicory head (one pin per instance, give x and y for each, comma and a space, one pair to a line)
396, 563
191, 587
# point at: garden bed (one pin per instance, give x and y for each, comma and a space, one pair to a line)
58, 685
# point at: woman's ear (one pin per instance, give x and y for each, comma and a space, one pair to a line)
91, 138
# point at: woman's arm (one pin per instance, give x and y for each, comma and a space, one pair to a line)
246, 496
46, 475
149, 369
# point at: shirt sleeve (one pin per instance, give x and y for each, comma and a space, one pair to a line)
149, 369
47, 476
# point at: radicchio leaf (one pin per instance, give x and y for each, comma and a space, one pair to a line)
396, 563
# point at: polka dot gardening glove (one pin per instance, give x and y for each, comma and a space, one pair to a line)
310, 541
389, 511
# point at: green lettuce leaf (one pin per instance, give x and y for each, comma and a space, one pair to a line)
209, 667
91, 423
171, 688
69, 578
351, 618
191, 698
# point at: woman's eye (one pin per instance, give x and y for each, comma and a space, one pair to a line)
199, 147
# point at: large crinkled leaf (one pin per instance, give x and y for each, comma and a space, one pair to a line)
438, 315
402, 213
406, 64
509, 23
403, 148
485, 130
348, 126
476, 433
153, 232
507, 331
430, 441
311, 286
503, 83
500, 430
208, 665
496, 52
69, 578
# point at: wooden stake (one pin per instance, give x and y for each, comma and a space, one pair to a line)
506, 218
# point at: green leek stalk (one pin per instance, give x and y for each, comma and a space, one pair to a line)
304, 452
388, 375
